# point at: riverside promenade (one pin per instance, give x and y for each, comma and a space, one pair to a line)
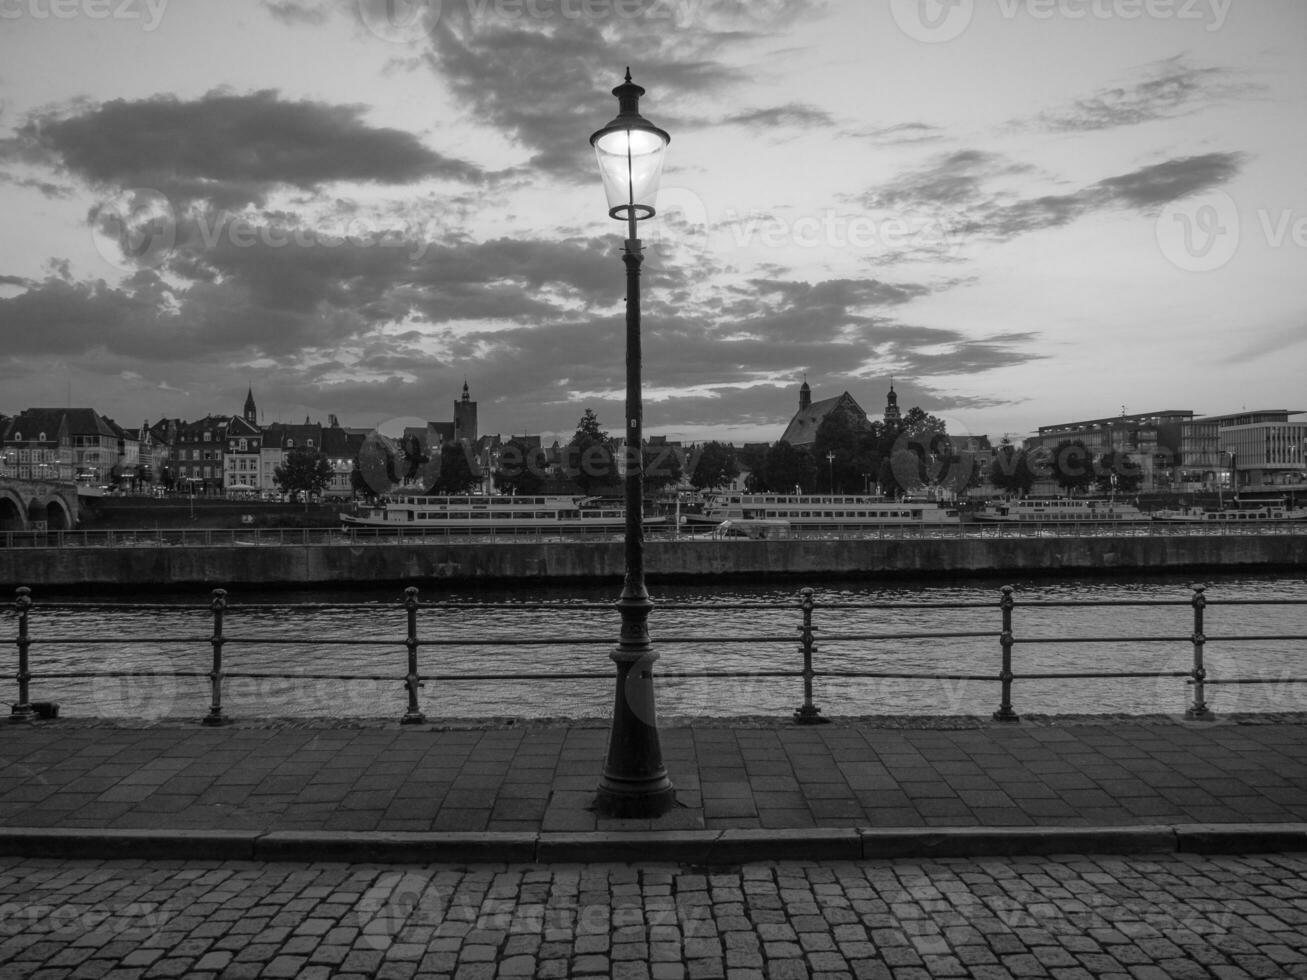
907, 849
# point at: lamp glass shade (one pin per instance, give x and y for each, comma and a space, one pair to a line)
631, 165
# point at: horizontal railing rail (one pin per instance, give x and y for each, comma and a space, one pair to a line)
219, 638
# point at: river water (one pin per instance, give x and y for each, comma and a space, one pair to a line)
570, 637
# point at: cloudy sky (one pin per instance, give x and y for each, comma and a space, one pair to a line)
1024, 211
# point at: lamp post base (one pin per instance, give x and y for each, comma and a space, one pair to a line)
634, 783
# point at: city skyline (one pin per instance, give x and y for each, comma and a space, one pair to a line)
1025, 212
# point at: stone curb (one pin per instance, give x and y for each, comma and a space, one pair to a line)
710, 847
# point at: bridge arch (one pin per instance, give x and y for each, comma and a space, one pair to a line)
11, 511
52, 510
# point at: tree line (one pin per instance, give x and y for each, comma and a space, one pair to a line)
849, 454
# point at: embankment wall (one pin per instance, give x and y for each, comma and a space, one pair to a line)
505, 562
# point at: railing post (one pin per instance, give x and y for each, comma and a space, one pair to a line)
807, 713
218, 605
1005, 712
412, 682
1199, 711
23, 712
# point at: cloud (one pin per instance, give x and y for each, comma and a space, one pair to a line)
295, 12
540, 73
227, 150
793, 115
1168, 89
903, 134
982, 191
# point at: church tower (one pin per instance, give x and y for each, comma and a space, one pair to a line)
805, 395
251, 413
465, 417
892, 416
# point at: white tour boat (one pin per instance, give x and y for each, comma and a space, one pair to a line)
802, 511
1060, 510
494, 514
1241, 515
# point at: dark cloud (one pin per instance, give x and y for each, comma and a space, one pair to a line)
980, 189
541, 72
1167, 89
295, 12
792, 116
225, 149
903, 133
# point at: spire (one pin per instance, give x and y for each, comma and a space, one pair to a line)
466, 394
805, 394
251, 413
892, 415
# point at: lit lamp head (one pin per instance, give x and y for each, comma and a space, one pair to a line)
630, 150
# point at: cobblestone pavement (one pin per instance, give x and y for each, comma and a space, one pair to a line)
1067, 918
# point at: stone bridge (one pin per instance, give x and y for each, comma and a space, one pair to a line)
37, 505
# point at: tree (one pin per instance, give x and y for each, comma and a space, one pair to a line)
413, 455
590, 455
305, 472
1011, 471
917, 422
521, 468
1072, 465
716, 466
661, 468
786, 467
457, 474
358, 484
840, 437
1116, 472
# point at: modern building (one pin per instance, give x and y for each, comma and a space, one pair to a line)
1153, 439
1262, 449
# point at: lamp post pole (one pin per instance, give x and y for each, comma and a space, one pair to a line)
830, 459
634, 781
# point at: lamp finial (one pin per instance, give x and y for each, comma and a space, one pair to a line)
628, 73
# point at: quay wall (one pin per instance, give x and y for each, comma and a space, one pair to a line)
502, 562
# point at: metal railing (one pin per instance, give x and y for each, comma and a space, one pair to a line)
276, 537
806, 606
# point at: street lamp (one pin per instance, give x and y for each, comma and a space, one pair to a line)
830, 458
630, 150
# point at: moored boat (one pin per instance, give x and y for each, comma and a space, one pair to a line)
494, 514
1236, 515
1060, 510
803, 511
